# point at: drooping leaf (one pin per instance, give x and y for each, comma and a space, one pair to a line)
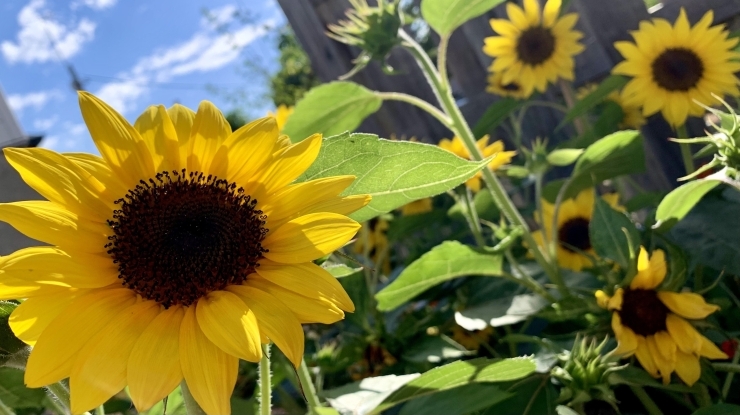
457, 374
495, 115
360, 398
606, 87
444, 262
444, 16
607, 234
564, 156
331, 109
341, 270
477, 397
500, 312
394, 173
680, 201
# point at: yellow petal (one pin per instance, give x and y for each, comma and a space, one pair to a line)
645, 357
210, 373
308, 310
602, 299
663, 350
309, 237
684, 334
50, 223
551, 12
532, 11
182, 118
118, 142
291, 163
626, 338
646, 278
34, 315
687, 305
250, 149
52, 358
309, 280
14, 288
687, 367
51, 265
99, 371
275, 321
292, 199
159, 134
97, 167
710, 350
154, 365
209, 131
230, 325
615, 303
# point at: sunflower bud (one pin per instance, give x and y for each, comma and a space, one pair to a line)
536, 157
725, 144
372, 29
583, 373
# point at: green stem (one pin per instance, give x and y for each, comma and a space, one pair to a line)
570, 101
59, 396
731, 375
265, 382
726, 367
309, 391
471, 215
444, 41
526, 280
418, 102
646, 401
703, 397
688, 159
5, 410
191, 406
100, 410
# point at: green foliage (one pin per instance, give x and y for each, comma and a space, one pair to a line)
680, 201
613, 235
444, 16
295, 76
719, 409
9, 344
564, 156
606, 87
443, 263
495, 115
392, 172
15, 395
331, 109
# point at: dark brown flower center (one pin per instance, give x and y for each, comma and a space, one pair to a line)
574, 234
677, 69
643, 312
512, 87
535, 45
182, 235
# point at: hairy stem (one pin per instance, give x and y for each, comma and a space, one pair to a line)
191, 407
265, 382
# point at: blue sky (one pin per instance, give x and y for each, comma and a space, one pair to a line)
132, 53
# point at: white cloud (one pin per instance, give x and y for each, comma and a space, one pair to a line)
18, 102
51, 142
99, 4
44, 124
76, 129
34, 43
206, 50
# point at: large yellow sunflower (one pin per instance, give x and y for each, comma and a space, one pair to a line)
513, 89
174, 255
651, 324
496, 149
574, 218
674, 66
535, 46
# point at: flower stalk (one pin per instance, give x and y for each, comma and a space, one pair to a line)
309, 391
191, 407
265, 382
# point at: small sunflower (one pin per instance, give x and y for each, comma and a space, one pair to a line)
535, 46
174, 255
417, 207
651, 324
373, 242
631, 114
511, 89
496, 149
281, 115
472, 340
574, 218
674, 66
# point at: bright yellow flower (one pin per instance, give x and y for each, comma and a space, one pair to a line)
534, 46
372, 241
472, 340
631, 114
174, 255
511, 89
496, 149
652, 324
574, 218
281, 115
674, 66
417, 207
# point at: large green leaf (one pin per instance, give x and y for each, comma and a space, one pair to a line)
680, 201
444, 16
444, 262
360, 398
606, 87
331, 109
394, 173
719, 409
495, 115
458, 374
14, 394
477, 397
607, 232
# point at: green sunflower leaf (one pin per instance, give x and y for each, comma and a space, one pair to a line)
457, 374
719, 409
606, 87
680, 201
331, 109
608, 236
394, 173
444, 16
9, 344
495, 115
444, 262
14, 394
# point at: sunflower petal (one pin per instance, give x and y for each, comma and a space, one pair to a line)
34, 315
687, 305
210, 373
710, 350
307, 279
53, 356
291, 163
275, 321
154, 369
159, 133
99, 371
551, 12
663, 350
52, 265
251, 147
626, 338
687, 367
684, 334
645, 357
308, 310
308, 237
209, 131
182, 118
230, 325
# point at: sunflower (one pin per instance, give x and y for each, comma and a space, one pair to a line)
372, 242
631, 114
281, 115
496, 149
652, 324
472, 340
417, 207
511, 89
535, 46
674, 66
179, 252
574, 218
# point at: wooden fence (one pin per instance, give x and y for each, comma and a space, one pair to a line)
602, 21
